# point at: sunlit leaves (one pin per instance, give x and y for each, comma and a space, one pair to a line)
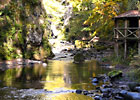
102, 14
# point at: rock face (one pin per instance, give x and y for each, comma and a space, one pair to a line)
25, 31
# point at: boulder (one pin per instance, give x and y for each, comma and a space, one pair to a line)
78, 91
79, 58
115, 74
130, 95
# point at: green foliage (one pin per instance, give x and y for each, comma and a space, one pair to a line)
114, 60
8, 51
17, 19
47, 48
135, 61
134, 74
132, 4
76, 28
99, 47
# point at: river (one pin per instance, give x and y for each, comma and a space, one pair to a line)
58, 78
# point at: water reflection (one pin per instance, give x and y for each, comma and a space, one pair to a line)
58, 74
71, 96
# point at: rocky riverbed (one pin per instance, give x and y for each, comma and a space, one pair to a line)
116, 87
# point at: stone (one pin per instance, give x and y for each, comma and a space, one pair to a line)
106, 95
78, 91
106, 90
106, 86
130, 95
98, 88
98, 98
115, 74
124, 87
119, 98
95, 80
86, 92
79, 58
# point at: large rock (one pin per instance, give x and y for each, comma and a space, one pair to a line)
130, 95
115, 74
79, 58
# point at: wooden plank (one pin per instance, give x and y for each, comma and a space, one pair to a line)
118, 31
123, 28
116, 46
125, 40
128, 38
132, 33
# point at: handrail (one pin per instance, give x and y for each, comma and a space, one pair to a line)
122, 28
130, 31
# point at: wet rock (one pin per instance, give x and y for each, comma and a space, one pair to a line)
98, 98
92, 91
95, 80
107, 86
104, 78
106, 95
130, 95
137, 88
119, 98
94, 84
106, 90
124, 87
78, 91
98, 88
86, 92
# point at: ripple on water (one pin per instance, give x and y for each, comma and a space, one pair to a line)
41, 94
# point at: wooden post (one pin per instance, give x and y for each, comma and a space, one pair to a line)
116, 46
139, 37
125, 40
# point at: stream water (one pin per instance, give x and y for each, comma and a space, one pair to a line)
36, 82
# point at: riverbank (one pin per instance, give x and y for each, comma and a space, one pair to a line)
120, 86
18, 63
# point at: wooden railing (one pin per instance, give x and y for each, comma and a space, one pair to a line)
127, 33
